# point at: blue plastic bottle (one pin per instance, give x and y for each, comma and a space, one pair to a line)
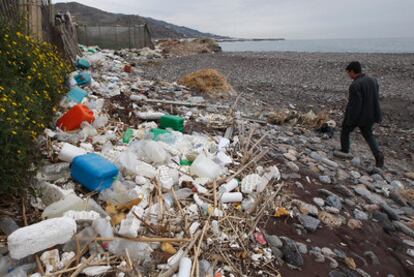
93, 172
76, 95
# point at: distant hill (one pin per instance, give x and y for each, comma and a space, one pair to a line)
159, 29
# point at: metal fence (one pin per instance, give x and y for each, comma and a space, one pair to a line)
115, 37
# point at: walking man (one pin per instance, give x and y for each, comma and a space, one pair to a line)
362, 111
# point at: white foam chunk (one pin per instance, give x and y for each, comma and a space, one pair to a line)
40, 236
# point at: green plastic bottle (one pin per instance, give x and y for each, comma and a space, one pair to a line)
126, 138
172, 121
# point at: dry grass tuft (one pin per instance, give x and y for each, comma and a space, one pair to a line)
208, 81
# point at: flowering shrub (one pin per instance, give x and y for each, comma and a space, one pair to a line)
32, 77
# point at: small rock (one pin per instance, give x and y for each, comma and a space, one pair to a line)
290, 156
355, 174
342, 175
384, 221
409, 175
344, 190
397, 184
274, 241
291, 253
319, 201
302, 248
334, 201
396, 196
325, 179
410, 252
306, 208
371, 255
360, 215
371, 197
408, 242
390, 211
292, 166
356, 162
349, 202
337, 273
329, 163
339, 253
377, 177
330, 220
277, 253
332, 210
310, 223
354, 224
328, 252
350, 263
362, 272
333, 263
319, 257
403, 228
371, 208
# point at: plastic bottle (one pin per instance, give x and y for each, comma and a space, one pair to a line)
155, 152
205, 167
128, 134
84, 237
71, 202
230, 186
68, 152
231, 197
185, 267
167, 177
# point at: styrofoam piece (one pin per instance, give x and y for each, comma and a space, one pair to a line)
205, 167
230, 186
131, 224
185, 267
200, 188
51, 260
270, 174
174, 259
250, 182
40, 236
231, 197
215, 227
82, 215
68, 152
96, 270
50, 193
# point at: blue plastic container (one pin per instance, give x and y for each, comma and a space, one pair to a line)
83, 79
93, 172
83, 64
76, 95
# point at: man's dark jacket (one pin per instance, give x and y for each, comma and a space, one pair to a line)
363, 107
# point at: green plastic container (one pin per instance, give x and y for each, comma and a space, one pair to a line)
172, 121
186, 162
156, 132
126, 138
83, 64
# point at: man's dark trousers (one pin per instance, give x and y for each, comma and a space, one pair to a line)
366, 132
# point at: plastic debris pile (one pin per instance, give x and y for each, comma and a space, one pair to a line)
142, 197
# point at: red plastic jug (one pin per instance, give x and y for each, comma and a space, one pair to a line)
73, 118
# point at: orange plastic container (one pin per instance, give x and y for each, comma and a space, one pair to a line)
73, 118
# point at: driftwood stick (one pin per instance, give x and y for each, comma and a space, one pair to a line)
144, 239
200, 241
82, 266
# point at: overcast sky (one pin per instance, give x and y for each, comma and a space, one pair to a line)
291, 19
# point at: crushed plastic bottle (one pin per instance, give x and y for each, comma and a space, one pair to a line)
205, 167
103, 227
84, 237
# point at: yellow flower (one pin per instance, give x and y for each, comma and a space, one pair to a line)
29, 77
18, 34
18, 151
1, 88
14, 132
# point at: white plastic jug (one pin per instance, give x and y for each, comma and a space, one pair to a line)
69, 152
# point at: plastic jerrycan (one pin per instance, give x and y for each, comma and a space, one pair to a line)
76, 94
172, 121
93, 172
73, 118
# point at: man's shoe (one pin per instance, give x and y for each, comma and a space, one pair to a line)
379, 160
342, 155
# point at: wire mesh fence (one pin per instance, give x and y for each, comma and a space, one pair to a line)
115, 37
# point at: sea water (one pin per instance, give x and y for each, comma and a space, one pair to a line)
382, 45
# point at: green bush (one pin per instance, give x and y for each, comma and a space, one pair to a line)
32, 82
